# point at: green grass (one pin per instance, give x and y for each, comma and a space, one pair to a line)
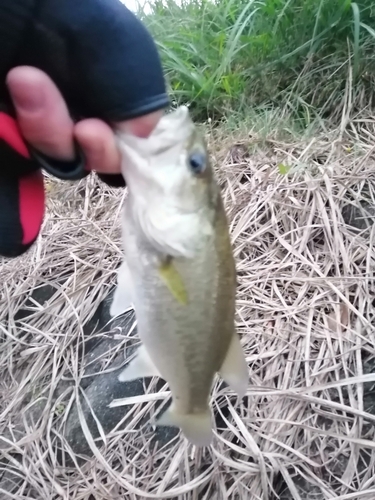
225, 57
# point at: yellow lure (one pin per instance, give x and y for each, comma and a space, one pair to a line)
173, 280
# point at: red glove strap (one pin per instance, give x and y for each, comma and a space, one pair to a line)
21, 191
9, 132
31, 205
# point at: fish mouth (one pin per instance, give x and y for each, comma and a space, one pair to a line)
179, 117
173, 130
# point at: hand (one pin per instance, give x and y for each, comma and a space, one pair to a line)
45, 123
81, 69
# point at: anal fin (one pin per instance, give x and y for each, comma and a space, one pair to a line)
141, 366
122, 298
234, 369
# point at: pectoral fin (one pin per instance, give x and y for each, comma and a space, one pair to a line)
173, 281
140, 366
234, 369
122, 298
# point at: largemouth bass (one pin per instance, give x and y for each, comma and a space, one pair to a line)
179, 272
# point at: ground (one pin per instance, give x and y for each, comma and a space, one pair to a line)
301, 214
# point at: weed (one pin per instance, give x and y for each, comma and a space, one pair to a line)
226, 56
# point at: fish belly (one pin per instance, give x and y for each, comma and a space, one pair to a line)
185, 343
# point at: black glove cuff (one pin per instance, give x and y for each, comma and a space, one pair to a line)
113, 180
65, 170
73, 170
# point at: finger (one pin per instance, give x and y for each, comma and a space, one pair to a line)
97, 140
42, 114
141, 126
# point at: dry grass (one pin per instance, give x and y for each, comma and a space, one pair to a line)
305, 314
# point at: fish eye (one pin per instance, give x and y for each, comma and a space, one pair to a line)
197, 162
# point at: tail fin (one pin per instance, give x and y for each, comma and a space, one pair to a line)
197, 428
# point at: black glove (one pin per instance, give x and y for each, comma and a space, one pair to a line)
106, 66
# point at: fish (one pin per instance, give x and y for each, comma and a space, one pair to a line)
178, 272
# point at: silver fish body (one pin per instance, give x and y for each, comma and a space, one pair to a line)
180, 224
